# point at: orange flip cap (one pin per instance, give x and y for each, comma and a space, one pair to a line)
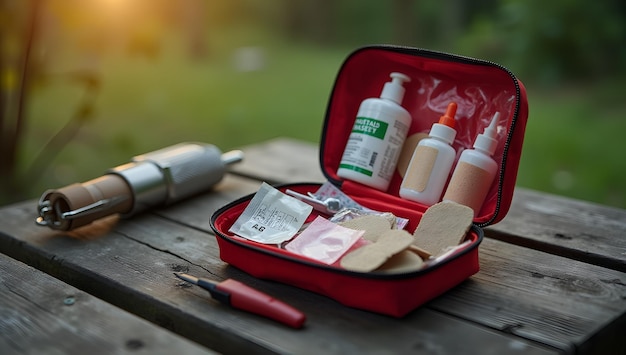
448, 118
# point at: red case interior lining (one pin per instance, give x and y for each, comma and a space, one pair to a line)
479, 89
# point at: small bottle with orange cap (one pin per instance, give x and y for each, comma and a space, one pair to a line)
431, 162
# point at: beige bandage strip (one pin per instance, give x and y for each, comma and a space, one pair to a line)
444, 224
404, 261
372, 256
373, 225
424, 254
469, 186
407, 151
417, 177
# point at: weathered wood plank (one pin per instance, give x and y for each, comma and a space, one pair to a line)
143, 252
522, 294
40, 315
550, 299
132, 275
563, 226
281, 160
132, 266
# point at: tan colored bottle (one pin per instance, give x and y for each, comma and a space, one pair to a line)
474, 173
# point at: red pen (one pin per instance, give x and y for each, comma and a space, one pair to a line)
238, 295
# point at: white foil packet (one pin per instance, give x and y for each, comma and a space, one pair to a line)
271, 217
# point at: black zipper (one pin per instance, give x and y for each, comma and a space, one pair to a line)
427, 53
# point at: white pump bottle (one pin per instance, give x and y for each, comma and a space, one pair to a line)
379, 131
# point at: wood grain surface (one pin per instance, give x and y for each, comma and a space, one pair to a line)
550, 284
42, 315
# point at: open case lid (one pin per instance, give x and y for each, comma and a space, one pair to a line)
480, 88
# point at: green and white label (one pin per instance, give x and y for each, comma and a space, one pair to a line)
370, 127
357, 169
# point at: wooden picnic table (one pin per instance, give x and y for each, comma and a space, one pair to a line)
552, 281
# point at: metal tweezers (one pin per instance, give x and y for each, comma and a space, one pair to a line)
329, 206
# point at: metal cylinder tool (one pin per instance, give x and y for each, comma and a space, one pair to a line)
154, 179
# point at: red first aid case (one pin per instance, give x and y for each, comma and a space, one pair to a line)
479, 88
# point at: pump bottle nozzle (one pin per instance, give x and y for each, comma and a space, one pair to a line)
393, 90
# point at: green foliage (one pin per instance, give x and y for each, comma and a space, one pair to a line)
574, 143
156, 90
560, 40
547, 41
146, 104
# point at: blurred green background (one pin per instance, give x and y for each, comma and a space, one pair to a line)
110, 79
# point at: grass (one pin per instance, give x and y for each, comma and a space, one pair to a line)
145, 104
573, 146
